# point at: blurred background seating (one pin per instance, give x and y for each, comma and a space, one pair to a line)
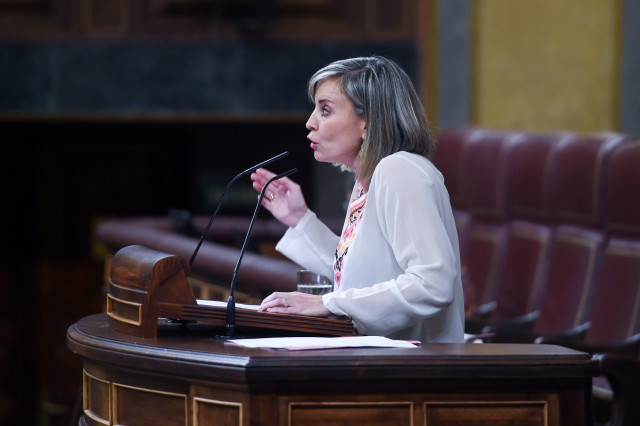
570, 272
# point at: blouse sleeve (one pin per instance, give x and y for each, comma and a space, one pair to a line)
411, 209
310, 244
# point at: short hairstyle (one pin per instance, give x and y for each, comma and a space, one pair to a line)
384, 94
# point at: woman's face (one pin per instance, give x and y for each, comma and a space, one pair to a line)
336, 131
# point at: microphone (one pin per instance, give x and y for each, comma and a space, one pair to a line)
249, 170
231, 304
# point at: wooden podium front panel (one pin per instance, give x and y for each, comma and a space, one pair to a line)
491, 413
144, 406
224, 412
194, 379
97, 398
348, 413
453, 406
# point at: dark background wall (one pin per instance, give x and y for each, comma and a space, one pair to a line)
126, 108
153, 78
111, 109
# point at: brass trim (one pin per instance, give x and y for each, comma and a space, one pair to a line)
291, 404
115, 385
93, 417
118, 317
138, 388
197, 399
85, 408
544, 403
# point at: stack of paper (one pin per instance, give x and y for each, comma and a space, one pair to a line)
306, 343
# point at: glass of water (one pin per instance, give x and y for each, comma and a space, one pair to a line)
313, 283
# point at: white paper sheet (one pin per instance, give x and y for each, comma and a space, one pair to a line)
306, 343
220, 304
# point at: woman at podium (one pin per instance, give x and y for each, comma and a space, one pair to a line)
396, 265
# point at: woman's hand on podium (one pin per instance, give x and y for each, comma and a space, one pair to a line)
294, 303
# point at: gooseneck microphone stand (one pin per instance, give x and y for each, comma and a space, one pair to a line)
231, 304
249, 170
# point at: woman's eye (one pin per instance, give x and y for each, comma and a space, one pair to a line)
325, 111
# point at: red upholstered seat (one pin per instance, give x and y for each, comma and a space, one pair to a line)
622, 197
573, 236
529, 186
522, 281
580, 193
616, 311
531, 179
571, 280
616, 314
616, 319
485, 162
527, 183
581, 164
614, 328
554, 242
448, 159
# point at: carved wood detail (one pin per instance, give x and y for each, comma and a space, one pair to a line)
264, 20
33, 19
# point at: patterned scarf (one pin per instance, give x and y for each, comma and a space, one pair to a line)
354, 216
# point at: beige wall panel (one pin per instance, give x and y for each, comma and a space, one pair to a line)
546, 64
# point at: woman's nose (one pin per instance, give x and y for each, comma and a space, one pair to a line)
311, 122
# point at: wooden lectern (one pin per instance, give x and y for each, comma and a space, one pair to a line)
193, 379
146, 284
139, 371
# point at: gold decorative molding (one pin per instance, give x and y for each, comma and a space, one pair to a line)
466, 411
215, 402
117, 406
87, 390
374, 406
116, 313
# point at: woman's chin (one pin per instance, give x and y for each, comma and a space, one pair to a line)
319, 157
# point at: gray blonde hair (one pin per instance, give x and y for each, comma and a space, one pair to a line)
384, 94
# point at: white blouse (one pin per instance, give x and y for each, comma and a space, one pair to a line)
401, 277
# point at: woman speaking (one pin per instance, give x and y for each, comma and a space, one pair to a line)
396, 265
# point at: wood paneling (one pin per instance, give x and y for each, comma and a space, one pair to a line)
283, 20
224, 384
97, 398
140, 406
33, 19
224, 412
327, 413
107, 18
489, 413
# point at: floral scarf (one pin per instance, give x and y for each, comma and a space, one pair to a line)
354, 216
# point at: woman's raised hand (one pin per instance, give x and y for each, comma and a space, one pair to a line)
283, 198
